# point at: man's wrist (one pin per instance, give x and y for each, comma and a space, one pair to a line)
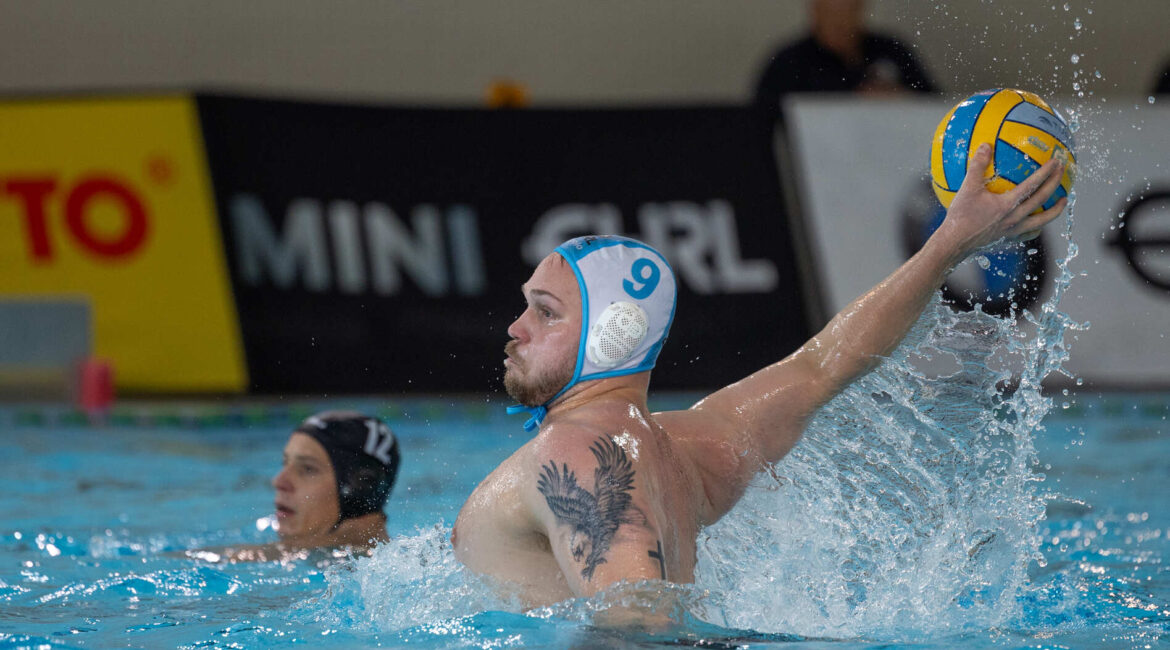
946, 248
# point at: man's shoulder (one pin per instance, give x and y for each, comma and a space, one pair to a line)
585, 438
701, 420
573, 438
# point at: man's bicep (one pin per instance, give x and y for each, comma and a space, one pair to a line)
635, 553
592, 512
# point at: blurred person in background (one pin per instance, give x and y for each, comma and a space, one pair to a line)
839, 54
1162, 81
337, 473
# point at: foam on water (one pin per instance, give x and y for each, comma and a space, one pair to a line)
407, 581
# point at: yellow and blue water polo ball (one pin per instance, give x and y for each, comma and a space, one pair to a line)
1023, 131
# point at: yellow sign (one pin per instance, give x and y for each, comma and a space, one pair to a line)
109, 200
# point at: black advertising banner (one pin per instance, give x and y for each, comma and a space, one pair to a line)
377, 249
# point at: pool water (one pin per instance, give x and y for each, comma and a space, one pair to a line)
91, 515
944, 498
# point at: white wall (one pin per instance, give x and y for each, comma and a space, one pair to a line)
566, 51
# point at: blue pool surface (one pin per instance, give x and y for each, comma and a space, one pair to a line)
92, 518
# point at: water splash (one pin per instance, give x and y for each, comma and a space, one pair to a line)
406, 581
911, 507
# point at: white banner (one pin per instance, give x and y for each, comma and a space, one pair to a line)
862, 163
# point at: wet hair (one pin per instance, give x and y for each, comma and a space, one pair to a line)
364, 454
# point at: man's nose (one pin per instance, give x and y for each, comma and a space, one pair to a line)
517, 329
280, 482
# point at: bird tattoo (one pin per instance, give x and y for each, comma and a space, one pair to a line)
594, 517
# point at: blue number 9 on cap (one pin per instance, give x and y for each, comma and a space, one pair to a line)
645, 274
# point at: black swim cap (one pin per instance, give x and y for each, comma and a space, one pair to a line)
364, 454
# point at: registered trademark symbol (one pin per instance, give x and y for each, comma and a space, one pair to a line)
160, 169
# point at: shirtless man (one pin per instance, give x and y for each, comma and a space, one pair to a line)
606, 491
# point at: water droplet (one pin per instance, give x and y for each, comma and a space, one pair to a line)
1076, 58
1077, 24
983, 262
1066, 6
1150, 99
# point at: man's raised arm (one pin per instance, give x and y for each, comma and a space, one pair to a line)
770, 408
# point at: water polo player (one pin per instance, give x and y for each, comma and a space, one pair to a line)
337, 472
606, 491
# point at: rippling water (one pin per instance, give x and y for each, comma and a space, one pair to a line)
915, 536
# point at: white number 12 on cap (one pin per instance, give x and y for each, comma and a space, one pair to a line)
378, 442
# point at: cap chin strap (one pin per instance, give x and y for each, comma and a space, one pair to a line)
537, 413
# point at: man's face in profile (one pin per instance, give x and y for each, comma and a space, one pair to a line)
543, 351
306, 491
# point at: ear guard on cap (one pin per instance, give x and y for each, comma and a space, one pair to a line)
616, 335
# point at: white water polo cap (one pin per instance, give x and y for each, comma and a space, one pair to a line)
628, 296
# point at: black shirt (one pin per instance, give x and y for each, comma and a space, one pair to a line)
806, 66
1162, 83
